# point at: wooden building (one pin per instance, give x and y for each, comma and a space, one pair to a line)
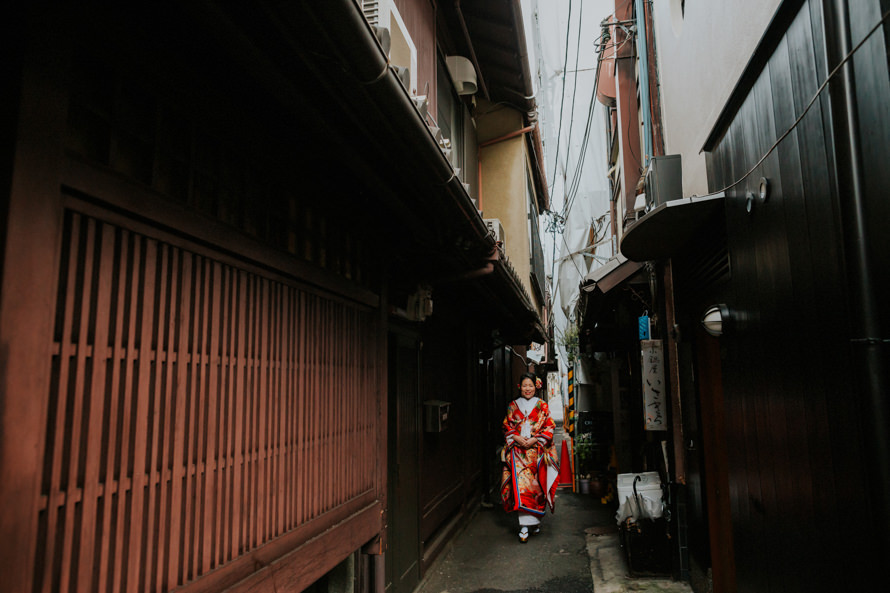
240, 259
779, 464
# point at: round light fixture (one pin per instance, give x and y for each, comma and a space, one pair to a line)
716, 319
764, 190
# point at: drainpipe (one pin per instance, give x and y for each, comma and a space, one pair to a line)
868, 346
380, 573
463, 26
643, 53
654, 94
513, 134
535, 145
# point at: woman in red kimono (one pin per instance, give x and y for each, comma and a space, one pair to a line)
531, 464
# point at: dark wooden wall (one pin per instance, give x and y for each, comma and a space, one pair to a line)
450, 469
420, 19
794, 412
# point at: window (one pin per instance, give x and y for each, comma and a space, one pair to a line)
536, 252
450, 116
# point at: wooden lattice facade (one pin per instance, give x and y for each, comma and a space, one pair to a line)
194, 393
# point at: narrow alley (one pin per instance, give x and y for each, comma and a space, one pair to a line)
285, 286
487, 556
577, 551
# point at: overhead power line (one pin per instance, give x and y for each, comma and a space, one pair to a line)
562, 96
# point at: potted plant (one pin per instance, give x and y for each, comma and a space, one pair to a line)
584, 464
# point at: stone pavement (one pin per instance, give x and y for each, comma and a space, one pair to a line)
577, 551
608, 568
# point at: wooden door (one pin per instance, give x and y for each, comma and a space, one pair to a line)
716, 461
403, 531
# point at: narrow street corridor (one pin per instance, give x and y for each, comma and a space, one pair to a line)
487, 556
577, 551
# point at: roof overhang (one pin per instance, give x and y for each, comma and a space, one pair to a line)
598, 284
324, 64
663, 232
609, 275
495, 39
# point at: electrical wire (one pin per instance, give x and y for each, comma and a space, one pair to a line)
562, 96
574, 188
576, 180
575, 86
821, 88
573, 191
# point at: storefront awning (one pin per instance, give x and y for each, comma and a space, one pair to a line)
664, 231
609, 275
597, 284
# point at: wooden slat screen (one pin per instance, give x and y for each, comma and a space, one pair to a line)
197, 411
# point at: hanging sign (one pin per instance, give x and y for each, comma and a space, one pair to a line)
645, 327
654, 400
535, 352
552, 385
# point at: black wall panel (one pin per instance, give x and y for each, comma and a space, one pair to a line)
799, 469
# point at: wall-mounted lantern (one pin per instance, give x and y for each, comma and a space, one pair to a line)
716, 320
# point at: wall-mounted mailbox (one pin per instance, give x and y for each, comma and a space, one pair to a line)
435, 415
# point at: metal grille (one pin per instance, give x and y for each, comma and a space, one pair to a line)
371, 9
196, 412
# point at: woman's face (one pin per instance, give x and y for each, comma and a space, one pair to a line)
527, 388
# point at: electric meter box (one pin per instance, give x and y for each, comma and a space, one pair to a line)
435, 415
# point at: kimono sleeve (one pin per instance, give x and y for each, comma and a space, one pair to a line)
510, 425
545, 426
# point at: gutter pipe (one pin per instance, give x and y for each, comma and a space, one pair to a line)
535, 143
868, 346
366, 59
361, 50
642, 52
463, 26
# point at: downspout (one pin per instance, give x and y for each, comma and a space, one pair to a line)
642, 52
654, 87
535, 145
463, 26
479, 148
539, 163
868, 346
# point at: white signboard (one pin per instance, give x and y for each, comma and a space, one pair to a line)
654, 397
552, 385
535, 352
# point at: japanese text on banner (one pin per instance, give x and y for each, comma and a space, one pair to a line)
654, 400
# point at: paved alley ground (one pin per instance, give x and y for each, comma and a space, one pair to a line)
577, 551
487, 556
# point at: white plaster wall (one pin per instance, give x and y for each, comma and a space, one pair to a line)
700, 59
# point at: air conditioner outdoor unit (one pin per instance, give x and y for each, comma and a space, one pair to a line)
384, 18
462, 73
664, 180
497, 229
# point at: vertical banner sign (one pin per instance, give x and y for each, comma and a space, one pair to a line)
554, 397
570, 425
552, 386
654, 400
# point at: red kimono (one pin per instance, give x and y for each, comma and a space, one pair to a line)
529, 478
